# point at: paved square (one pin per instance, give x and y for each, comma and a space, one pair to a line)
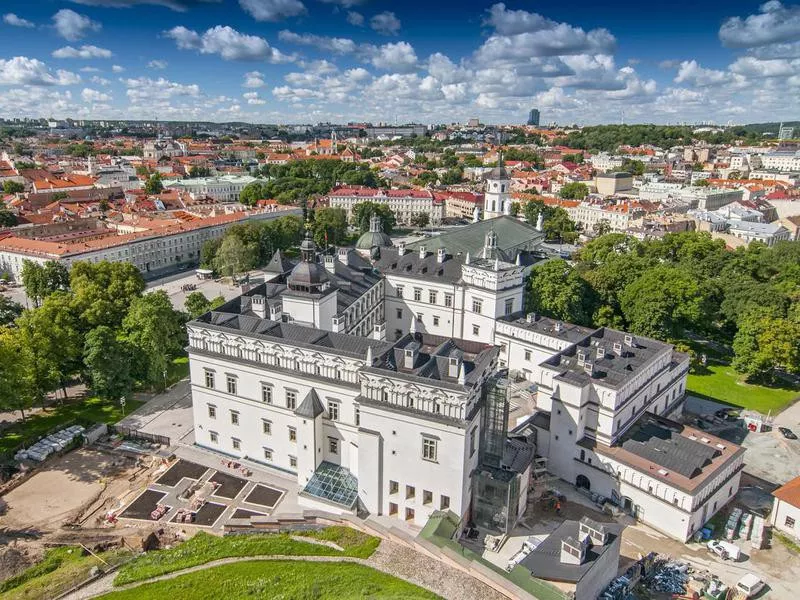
264, 496
230, 486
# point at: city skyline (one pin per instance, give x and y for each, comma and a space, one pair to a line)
278, 61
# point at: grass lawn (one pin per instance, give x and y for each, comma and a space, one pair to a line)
278, 580
723, 384
178, 369
60, 569
203, 548
90, 410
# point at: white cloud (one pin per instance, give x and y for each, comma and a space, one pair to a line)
344, 3
253, 79
272, 10
22, 70
385, 23
85, 52
94, 96
399, 56
691, 72
117, 68
228, 43
157, 64
144, 89
89, 70
775, 23
73, 26
100, 80
252, 98
320, 67
755, 68
355, 18
15, 21
176, 5
330, 44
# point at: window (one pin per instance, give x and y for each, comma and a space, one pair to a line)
266, 393
234, 417
583, 454
333, 445
293, 462
213, 436
476, 330
410, 491
210, 379
419, 317
429, 447
393, 487
472, 444
230, 381
509, 307
435, 321
409, 514
333, 410
212, 411
444, 502
292, 434
399, 291
268, 454
527, 354
236, 443
432, 297
392, 508
789, 522
357, 416
477, 305
427, 497
399, 313
291, 399
417, 294
448, 300
266, 427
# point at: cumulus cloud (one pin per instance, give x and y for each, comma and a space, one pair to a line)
253, 98
94, 96
329, 44
399, 56
145, 89
157, 64
15, 21
253, 79
100, 80
228, 43
775, 23
73, 26
272, 10
85, 52
355, 18
385, 23
117, 68
22, 70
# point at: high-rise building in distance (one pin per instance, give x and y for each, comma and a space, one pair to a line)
533, 117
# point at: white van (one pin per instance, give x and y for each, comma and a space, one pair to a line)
750, 585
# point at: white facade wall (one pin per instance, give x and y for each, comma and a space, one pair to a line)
785, 517
403, 207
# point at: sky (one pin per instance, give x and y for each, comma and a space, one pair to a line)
440, 61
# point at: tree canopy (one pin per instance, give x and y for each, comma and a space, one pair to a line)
363, 211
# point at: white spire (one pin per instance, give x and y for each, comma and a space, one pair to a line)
369, 356
518, 261
413, 329
462, 375
496, 264
466, 260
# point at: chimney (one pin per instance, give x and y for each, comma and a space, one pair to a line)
628, 339
617, 348
588, 368
422, 252
531, 317
330, 266
344, 255
595, 532
573, 552
454, 363
410, 355
440, 255
401, 249
558, 326
601, 352
259, 305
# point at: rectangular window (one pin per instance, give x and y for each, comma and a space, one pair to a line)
444, 502
236, 443
448, 300
292, 434
399, 313
429, 448
234, 417
399, 291
477, 305
333, 410
509, 307
392, 508
472, 444
266, 393
357, 416
210, 379
266, 427
212, 411
410, 492
789, 522
435, 321
432, 297
394, 487
267, 454
419, 317
291, 399
293, 462
213, 436
427, 497
476, 330
230, 381
333, 445
417, 294
527, 354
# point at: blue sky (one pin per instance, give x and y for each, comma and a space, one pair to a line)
443, 61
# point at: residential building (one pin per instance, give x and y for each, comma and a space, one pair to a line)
533, 117
405, 204
618, 216
605, 162
785, 514
768, 233
709, 198
225, 188
781, 161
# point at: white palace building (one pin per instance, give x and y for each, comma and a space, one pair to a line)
382, 384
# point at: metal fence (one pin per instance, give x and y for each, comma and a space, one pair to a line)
136, 434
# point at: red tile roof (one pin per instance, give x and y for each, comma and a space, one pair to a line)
789, 492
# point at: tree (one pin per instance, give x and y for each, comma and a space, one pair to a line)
735, 175
559, 227
766, 344
329, 226
7, 218
557, 290
41, 280
420, 220
702, 183
532, 209
102, 292
156, 333
426, 178
235, 256
574, 191
107, 362
13, 187
15, 384
9, 310
363, 211
208, 252
154, 185
633, 166
197, 304
253, 192
198, 171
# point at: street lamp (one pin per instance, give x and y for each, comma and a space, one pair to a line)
165, 379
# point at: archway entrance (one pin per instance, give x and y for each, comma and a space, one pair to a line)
582, 481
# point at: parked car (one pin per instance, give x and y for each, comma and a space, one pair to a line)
725, 550
787, 433
750, 585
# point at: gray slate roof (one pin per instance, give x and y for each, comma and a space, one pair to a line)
311, 407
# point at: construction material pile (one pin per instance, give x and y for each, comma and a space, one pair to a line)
668, 576
55, 442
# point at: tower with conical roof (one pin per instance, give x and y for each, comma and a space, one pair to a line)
497, 194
